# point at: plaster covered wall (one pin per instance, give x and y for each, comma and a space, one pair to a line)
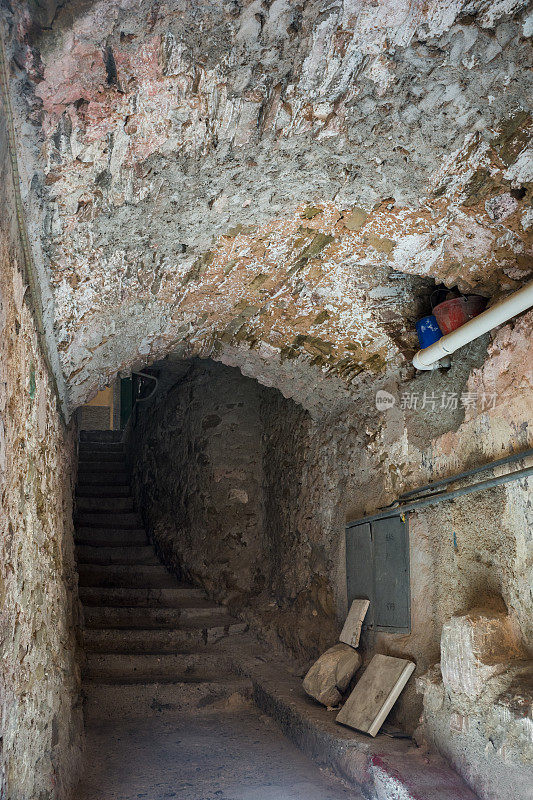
40, 710
476, 552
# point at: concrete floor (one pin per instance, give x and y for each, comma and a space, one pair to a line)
236, 755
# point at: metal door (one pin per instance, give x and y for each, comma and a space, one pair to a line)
377, 568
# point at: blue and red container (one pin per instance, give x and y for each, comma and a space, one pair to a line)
447, 317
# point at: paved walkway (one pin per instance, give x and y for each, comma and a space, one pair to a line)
236, 755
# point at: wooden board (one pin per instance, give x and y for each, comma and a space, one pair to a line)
375, 693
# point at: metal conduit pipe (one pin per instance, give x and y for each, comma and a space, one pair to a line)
509, 307
511, 459
439, 498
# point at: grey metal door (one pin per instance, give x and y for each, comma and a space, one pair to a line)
377, 567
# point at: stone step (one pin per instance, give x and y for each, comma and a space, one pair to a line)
101, 447
105, 464
108, 519
176, 699
132, 554
381, 767
179, 596
203, 614
103, 490
110, 537
88, 467
87, 457
91, 477
100, 436
113, 505
158, 667
142, 640
143, 576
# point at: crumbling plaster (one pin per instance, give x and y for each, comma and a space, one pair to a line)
200, 164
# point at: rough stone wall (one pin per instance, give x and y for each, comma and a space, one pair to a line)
298, 164
231, 487
302, 481
40, 711
197, 454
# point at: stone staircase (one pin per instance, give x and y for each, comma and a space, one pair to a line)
152, 643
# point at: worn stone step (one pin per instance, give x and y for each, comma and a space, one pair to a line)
99, 505
129, 554
102, 447
381, 767
103, 490
142, 640
111, 464
108, 519
178, 596
100, 436
86, 456
156, 667
100, 466
137, 701
130, 575
91, 477
202, 613
110, 537
113, 505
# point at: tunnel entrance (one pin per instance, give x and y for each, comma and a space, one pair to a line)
190, 542
224, 474
168, 699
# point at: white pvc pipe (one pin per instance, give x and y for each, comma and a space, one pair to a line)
521, 300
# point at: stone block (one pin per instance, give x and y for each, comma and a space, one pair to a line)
375, 693
352, 627
330, 676
475, 648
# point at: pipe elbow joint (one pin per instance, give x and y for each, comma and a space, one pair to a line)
420, 364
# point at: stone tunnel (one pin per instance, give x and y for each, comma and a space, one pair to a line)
222, 225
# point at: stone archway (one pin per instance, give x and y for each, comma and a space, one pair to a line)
277, 181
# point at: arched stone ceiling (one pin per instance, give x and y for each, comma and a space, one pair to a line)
271, 183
